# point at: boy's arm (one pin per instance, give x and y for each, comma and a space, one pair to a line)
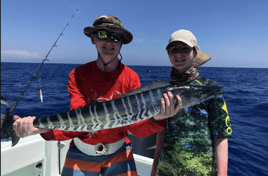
159, 142
221, 127
221, 155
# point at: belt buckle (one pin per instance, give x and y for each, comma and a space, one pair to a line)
101, 149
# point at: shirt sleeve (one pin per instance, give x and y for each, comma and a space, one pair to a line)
147, 127
77, 100
219, 117
58, 135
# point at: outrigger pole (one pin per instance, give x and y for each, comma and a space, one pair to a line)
14, 106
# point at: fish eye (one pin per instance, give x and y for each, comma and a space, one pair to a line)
201, 93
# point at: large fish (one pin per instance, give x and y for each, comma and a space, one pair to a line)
132, 107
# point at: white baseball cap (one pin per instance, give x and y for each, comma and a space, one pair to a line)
184, 36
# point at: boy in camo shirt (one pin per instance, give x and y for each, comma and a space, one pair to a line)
195, 139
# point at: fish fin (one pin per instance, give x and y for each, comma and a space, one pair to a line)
7, 130
155, 84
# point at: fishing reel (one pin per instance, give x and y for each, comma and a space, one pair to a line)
7, 131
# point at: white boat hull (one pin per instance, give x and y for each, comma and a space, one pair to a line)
33, 156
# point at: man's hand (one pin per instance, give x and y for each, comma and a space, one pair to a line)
24, 126
168, 108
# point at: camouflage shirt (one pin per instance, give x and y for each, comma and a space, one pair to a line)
188, 144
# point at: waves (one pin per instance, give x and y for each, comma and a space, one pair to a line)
246, 94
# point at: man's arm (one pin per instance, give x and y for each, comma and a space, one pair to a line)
221, 155
159, 142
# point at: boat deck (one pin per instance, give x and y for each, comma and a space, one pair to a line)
33, 156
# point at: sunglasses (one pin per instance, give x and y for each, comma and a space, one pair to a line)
103, 35
183, 50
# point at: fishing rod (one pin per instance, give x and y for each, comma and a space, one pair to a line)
7, 130
14, 106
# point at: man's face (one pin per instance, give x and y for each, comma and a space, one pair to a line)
181, 56
107, 48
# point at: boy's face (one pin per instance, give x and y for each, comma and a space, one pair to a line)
107, 48
181, 56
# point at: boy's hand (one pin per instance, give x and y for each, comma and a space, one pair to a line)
24, 126
168, 108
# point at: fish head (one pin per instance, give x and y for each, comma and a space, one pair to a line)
192, 95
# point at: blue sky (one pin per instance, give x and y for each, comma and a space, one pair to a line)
233, 33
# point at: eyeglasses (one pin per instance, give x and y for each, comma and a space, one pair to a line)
103, 35
183, 50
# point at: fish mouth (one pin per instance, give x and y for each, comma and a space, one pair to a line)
218, 91
210, 92
215, 92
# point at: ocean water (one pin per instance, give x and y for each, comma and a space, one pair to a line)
246, 94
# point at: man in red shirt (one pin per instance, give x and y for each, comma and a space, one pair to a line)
107, 152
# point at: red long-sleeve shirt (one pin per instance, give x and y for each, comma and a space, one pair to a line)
87, 83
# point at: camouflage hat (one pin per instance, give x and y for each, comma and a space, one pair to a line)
109, 23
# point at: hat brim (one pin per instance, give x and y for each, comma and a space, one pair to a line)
186, 42
111, 28
200, 59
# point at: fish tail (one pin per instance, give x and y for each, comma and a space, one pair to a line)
7, 130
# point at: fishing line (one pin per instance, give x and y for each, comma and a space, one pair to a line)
14, 106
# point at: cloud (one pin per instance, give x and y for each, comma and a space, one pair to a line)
141, 40
20, 53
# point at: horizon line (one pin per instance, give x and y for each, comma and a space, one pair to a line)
129, 65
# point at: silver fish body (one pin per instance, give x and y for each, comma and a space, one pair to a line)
132, 107
135, 106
